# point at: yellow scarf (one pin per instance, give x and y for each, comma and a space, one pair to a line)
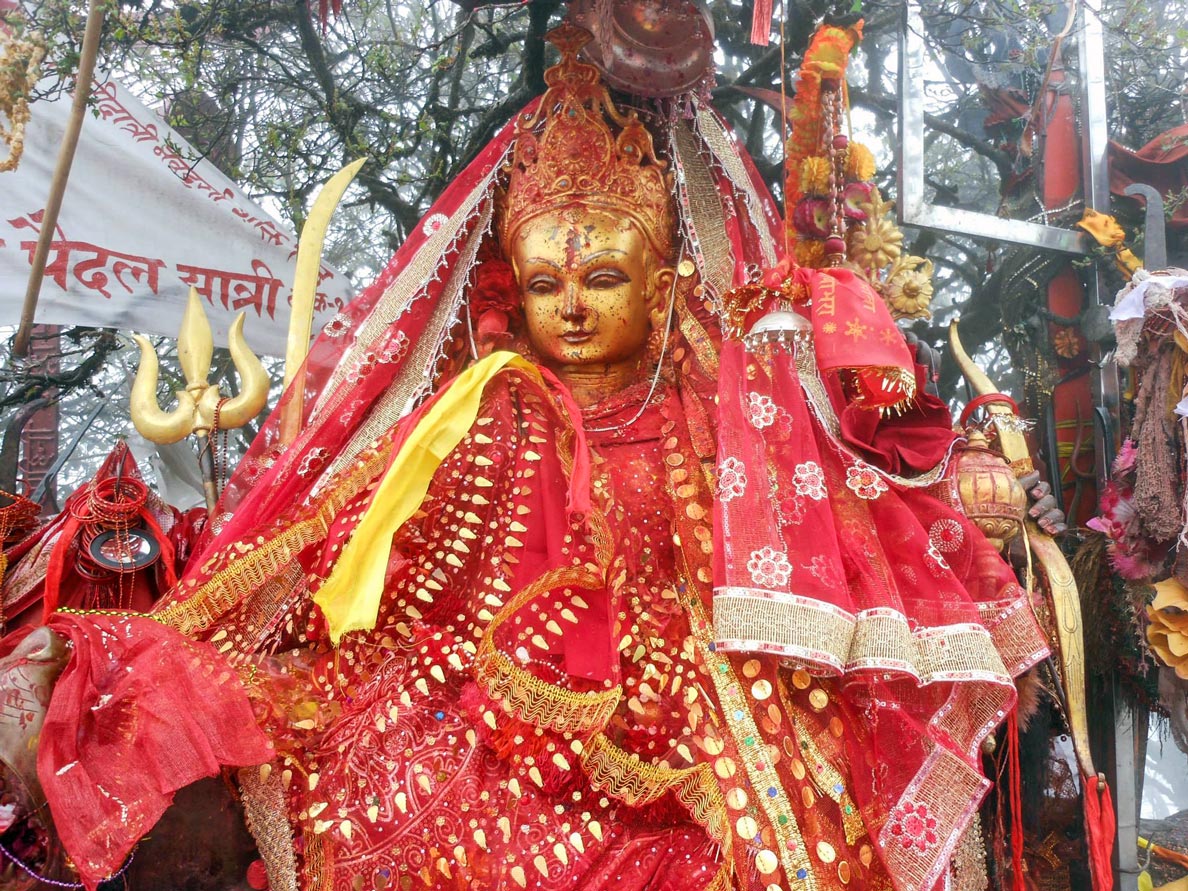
350, 598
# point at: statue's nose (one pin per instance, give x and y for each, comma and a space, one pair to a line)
574, 308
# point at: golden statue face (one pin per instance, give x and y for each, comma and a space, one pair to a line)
592, 288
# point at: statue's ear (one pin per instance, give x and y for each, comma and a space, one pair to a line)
662, 282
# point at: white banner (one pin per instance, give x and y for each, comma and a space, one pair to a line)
141, 222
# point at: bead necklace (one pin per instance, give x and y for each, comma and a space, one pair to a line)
57, 883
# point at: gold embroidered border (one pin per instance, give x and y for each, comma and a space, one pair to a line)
825, 776
721, 144
527, 697
414, 376
748, 619
422, 268
950, 790
634, 782
705, 212
736, 710
246, 571
1015, 632
267, 819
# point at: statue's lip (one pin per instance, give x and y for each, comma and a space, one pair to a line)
577, 336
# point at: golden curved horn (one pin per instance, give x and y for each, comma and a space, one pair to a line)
1011, 441
1066, 602
305, 287
150, 421
253, 381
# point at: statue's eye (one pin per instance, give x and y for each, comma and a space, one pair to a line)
607, 278
541, 285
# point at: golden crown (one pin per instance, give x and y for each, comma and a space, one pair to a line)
577, 159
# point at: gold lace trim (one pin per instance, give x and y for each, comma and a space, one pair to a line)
529, 698
720, 143
1016, 633
265, 812
705, 212
789, 846
748, 619
250, 566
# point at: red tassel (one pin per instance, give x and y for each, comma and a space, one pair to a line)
761, 23
1100, 828
1015, 781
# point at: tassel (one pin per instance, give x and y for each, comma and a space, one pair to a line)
761, 23
1100, 828
1015, 783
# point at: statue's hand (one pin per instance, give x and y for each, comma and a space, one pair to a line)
1044, 509
926, 356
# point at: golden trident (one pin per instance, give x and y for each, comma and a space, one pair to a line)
200, 406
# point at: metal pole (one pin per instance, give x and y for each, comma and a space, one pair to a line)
53, 204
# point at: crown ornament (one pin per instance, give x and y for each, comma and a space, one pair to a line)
576, 149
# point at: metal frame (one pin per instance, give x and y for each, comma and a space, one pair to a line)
913, 208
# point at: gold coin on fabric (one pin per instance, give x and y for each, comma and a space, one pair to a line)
713, 746
866, 854
747, 828
801, 679
766, 862
843, 872
725, 767
836, 727
761, 689
789, 746
686, 268
825, 852
737, 798
798, 768
774, 713
694, 511
751, 668
806, 795
686, 491
818, 699
774, 887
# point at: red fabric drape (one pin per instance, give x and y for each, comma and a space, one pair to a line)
138, 713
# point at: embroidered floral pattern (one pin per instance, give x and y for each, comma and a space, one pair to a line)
809, 480
732, 479
769, 568
946, 536
822, 570
792, 508
936, 561
338, 326
913, 824
761, 411
396, 350
865, 482
433, 222
313, 461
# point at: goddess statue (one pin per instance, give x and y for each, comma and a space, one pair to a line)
635, 596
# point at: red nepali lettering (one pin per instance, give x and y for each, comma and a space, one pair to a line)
115, 112
94, 267
257, 289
